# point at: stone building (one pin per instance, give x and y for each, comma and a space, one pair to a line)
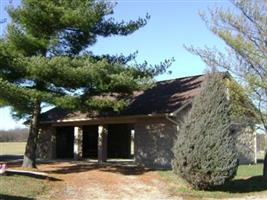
144, 131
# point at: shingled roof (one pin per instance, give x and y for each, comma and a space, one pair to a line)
164, 98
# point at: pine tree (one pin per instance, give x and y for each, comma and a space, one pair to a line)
204, 150
45, 59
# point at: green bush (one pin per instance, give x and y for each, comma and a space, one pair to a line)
204, 150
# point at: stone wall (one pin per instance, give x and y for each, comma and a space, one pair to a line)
245, 143
261, 142
46, 145
153, 143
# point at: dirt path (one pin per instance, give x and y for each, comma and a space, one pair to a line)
82, 181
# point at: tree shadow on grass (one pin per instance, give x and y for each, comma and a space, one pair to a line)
6, 158
252, 184
36, 176
11, 197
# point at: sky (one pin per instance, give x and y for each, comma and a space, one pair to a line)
173, 24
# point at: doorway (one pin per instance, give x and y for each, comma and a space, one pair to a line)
65, 142
119, 141
90, 141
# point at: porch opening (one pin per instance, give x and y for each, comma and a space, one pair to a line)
120, 143
64, 142
90, 141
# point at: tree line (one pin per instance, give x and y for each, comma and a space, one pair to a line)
14, 135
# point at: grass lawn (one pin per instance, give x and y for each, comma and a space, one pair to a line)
247, 182
18, 187
12, 148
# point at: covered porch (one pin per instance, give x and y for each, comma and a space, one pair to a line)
94, 142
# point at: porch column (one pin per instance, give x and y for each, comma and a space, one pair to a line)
102, 143
78, 136
132, 143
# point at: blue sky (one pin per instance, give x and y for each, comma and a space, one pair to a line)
173, 23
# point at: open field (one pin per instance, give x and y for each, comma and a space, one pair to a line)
248, 182
12, 148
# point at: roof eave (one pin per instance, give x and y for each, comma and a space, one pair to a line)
103, 120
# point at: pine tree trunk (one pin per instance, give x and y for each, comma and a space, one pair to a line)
29, 160
265, 166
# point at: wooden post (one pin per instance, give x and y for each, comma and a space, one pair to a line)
102, 143
78, 136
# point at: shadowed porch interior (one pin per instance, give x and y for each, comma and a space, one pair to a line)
88, 142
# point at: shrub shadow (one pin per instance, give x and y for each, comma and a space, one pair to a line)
252, 184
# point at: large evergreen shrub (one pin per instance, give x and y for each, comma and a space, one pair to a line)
204, 150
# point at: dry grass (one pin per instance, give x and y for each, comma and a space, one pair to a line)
12, 148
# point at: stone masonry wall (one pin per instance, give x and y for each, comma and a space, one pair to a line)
153, 143
245, 143
46, 145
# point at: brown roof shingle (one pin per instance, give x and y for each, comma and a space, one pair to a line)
165, 97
